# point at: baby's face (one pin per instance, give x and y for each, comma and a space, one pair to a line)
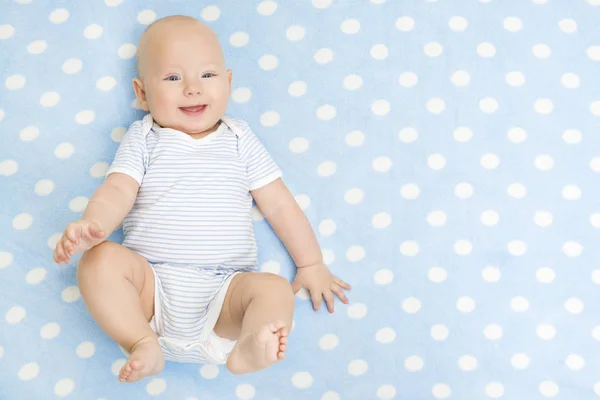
184, 79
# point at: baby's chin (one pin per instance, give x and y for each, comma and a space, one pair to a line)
193, 128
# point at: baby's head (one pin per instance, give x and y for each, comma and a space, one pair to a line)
182, 78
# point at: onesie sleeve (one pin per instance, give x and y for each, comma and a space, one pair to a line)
131, 157
261, 169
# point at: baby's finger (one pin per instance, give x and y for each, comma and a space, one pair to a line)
73, 233
60, 253
335, 288
329, 300
96, 232
341, 283
317, 300
68, 246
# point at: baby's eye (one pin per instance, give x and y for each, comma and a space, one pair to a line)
172, 78
208, 75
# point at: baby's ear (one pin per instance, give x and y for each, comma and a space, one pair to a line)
229, 73
140, 94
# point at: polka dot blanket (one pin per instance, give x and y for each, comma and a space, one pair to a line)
447, 153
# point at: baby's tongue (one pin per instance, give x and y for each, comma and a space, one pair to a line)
193, 108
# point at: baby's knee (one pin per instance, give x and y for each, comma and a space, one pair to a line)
277, 286
98, 258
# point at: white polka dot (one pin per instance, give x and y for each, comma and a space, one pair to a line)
467, 363
463, 247
543, 219
572, 249
490, 161
593, 52
548, 389
413, 363
595, 220
411, 305
6, 31
354, 196
544, 162
490, 218
437, 274
269, 118
15, 315
491, 274
493, 332
545, 275
593, 3
405, 24
357, 311
118, 133
488, 105
49, 99
266, 8
272, 267
409, 248
595, 164
596, 333
327, 227
295, 33
570, 81
59, 16
106, 83
113, 3
439, 332
328, 341
574, 362
571, 136
156, 386
323, 56
350, 26
386, 392
8, 167
78, 204
64, 150
72, 66
494, 390
86, 350
408, 79
436, 105
465, 304
381, 220
117, 365
22, 221
357, 367
462, 134
410, 191
385, 335
1, 114
36, 275
596, 276
441, 391
433, 49
209, 371
515, 78
44, 187
595, 108
408, 135
210, 13
382, 164
541, 51
574, 305
458, 24
517, 191
543, 106
460, 78
29, 133
29, 371
146, 17
352, 82
50, 331
85, 117
519, 304
546, 331
517, 247
328, 256
239, 39
99, 169
297, 89
571, 192
513, 24
326, 112
436, 161
93, 31
127, 51
355, 253
436, 218
520, 361
6, 259
15, 82
379, 51
463, 190
380, 107
303, 201
517, 135
321, 3
330, 395
383, 277
539, 2
326, 169
70, 294
486, 50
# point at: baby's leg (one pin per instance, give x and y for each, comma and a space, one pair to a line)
117, 286
257, 311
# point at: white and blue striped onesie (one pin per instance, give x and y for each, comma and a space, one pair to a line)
192, 221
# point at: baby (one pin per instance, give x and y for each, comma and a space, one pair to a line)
183, 286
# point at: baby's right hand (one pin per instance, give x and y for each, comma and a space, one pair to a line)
78, 237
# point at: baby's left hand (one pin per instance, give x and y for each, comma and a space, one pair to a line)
321, 284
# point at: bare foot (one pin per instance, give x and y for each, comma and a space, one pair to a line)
146, 359
259, 349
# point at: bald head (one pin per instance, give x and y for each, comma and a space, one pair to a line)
167, 31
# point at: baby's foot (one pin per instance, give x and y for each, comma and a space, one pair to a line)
146, 359
260, 349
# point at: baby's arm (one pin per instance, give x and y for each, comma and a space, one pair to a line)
107, 208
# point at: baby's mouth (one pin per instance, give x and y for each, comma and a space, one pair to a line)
194, 110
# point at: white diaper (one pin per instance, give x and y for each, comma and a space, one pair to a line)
187, 304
